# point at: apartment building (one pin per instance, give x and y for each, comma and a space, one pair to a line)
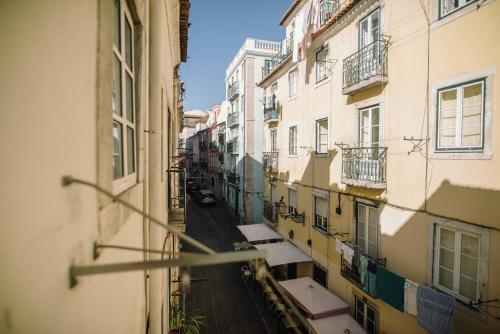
91, 91
244, 124
380, 123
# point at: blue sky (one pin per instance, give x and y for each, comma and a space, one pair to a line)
218, 30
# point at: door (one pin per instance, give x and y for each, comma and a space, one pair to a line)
367, 159
369, 51
274, 199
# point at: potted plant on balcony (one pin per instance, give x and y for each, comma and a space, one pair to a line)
180, 323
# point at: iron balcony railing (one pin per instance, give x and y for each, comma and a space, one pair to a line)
270, 212
270, 161
364, 166
233, 178
232, 119
270, 109
213, 145
368, 62
327, 9
233, 90
278, 58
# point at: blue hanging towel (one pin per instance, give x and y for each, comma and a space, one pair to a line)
370, 285
391, 288
435, 310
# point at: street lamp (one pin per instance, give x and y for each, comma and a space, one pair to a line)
296, 217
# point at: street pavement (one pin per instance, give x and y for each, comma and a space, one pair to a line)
228, 303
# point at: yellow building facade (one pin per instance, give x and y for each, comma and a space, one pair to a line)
90, 89
383, 134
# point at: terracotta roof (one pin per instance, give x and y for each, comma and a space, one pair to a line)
184, 27
289, 11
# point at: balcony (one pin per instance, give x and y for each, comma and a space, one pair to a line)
232, 119
364, 167
232, 147
327, 9
270, 162
233, 178
270, 212
271, 110
365, 68
233, 91
278, 58
213, 145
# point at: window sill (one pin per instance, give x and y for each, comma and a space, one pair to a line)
320, 230
440, 21
291, 98
124, 183
321, 155
293, 156
461, 155
322, 82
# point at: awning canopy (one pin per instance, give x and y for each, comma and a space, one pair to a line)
259, 232
336, 324
282, 253
313, 298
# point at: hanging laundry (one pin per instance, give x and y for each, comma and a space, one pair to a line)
370, 285
363, 266
372, 266
348, 253
390, 288
338, 246
411, 297
435, 310
298, 35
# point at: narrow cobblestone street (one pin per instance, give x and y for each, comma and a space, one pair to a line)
218, 293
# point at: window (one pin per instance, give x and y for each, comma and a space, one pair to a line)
274, 140
461, 117
321, 213
122, 104
369, 127
367, 229
292, 140
320, 275
449, 6
321, 64
456, 267
369, 29
322, 136
293, 82
365, 315
292, 201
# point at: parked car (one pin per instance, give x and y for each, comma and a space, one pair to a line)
205, 197
192, 186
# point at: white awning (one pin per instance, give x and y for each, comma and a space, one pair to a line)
282, 253
336, 325
259, 232
313, 298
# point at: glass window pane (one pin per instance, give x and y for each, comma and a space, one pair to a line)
468, 266
372, 250
117, 87
469, 245
129, 91
447, 239
128, 44
117, 160
446, 278
116, 28
362, 213
468, 288
130, 151
471, 115
447, 259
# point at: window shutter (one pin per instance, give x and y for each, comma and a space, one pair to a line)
321, 207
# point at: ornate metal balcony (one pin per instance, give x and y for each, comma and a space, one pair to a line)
327, 9
365, 68
233, 178
233, 90
232, 119
364, 167
270, 212
270, 162
278, 58
271, 110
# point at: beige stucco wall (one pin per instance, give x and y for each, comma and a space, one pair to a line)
56, 101
462, 189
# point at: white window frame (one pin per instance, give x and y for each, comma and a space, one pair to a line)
274, 140
365, 236
461, 4
322, 226
293, 83
128, 179
322, 136
458, 114
292, 209
321, 64
292, 140
456, 273
370, 126
365, 313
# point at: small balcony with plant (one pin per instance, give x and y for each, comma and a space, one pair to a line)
270, 162
365, 68
232, 146
279, 57
270, 212
364, 166
271, 110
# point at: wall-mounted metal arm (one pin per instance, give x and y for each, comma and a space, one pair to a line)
181, 261
68, 180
